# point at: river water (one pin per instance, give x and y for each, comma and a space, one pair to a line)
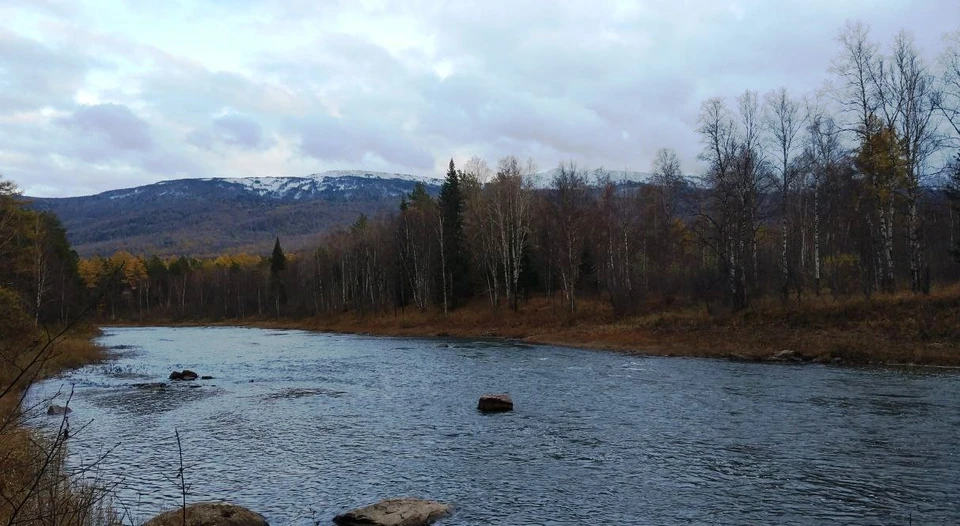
300, 426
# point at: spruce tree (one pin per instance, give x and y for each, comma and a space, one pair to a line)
418, 197
278, 262
457, 284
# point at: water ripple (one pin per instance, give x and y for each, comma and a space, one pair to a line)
301, 426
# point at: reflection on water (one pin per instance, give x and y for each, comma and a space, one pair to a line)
301, 426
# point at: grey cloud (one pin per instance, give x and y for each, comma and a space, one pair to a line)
329, 138
603, 82
231, 129
115, 122
34, 75
201, 138
77, 158
240, 131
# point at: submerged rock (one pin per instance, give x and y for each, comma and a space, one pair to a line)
58, 410
209, 514
495, 403
206, 377
395, 512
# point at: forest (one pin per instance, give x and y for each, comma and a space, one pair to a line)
43, 331
853, 191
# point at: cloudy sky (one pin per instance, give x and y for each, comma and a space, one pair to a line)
96, 95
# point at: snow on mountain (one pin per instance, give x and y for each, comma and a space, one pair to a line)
311, 185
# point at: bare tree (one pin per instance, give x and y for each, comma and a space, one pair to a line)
415, 226
40, 265
477, 169
825, 154
861, 95
569, 206
855, 69
668, 177
783, 120
618, 243
948, 101
737, 181
918, 127
508, 206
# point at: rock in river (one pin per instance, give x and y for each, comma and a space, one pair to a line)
58, 410
395, 512
186, 374
495, 403
209, 514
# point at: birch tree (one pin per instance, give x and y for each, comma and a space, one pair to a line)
784, 121
911, 110
508, 206
825, 154
568, 207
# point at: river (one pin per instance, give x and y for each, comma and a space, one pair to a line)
301, 426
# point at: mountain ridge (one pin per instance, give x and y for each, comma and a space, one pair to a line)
206, 216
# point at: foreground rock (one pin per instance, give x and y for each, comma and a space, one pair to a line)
495, 403
209, 514
58, 410
395, 512
186, 374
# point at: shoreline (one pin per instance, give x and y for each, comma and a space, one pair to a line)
877, 332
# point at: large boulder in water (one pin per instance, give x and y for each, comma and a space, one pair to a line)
209, 514
395, 512
495, 403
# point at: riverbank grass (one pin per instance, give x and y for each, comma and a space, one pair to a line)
35, 486
885, 329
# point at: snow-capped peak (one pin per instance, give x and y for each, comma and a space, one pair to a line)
336, 180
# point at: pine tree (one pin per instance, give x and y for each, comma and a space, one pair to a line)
455, 268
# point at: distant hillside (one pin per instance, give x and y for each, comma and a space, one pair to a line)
619, 177
209, 216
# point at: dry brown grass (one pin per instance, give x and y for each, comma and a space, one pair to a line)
892, 329
35, 486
